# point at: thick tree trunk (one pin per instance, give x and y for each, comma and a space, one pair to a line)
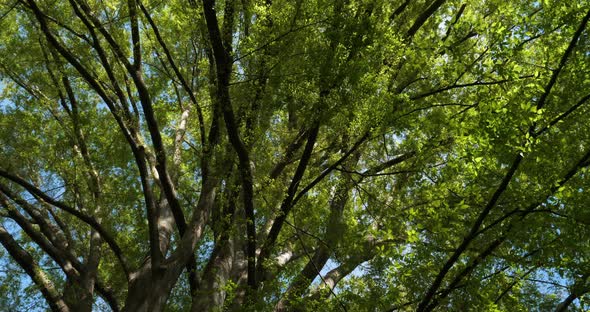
211, 296
145, 293
78, 297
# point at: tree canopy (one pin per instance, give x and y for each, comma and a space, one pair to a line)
274, 155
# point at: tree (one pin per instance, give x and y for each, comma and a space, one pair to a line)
249, 155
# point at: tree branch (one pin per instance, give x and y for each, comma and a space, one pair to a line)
26, 261
223, 67
563, 115
288, 202
563, 61
180, 77
91, 221
424, 304
422, 18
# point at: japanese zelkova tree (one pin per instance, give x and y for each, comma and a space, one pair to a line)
294, 155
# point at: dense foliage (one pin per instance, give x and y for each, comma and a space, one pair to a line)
360, 155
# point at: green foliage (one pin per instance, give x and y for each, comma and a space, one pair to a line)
483, 103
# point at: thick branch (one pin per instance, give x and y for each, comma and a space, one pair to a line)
580, 288
563, 61
334, 276
288, 202
582, 163
388, 164
223, 67
26, 261
316, 262
70, 265
468, 269
46, 228
91, 221
563, 115
289, 153
331, 168
423, 306
138, 151
473, 233
135, 40
399, 10
424, 17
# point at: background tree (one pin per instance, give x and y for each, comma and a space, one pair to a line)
294, 155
